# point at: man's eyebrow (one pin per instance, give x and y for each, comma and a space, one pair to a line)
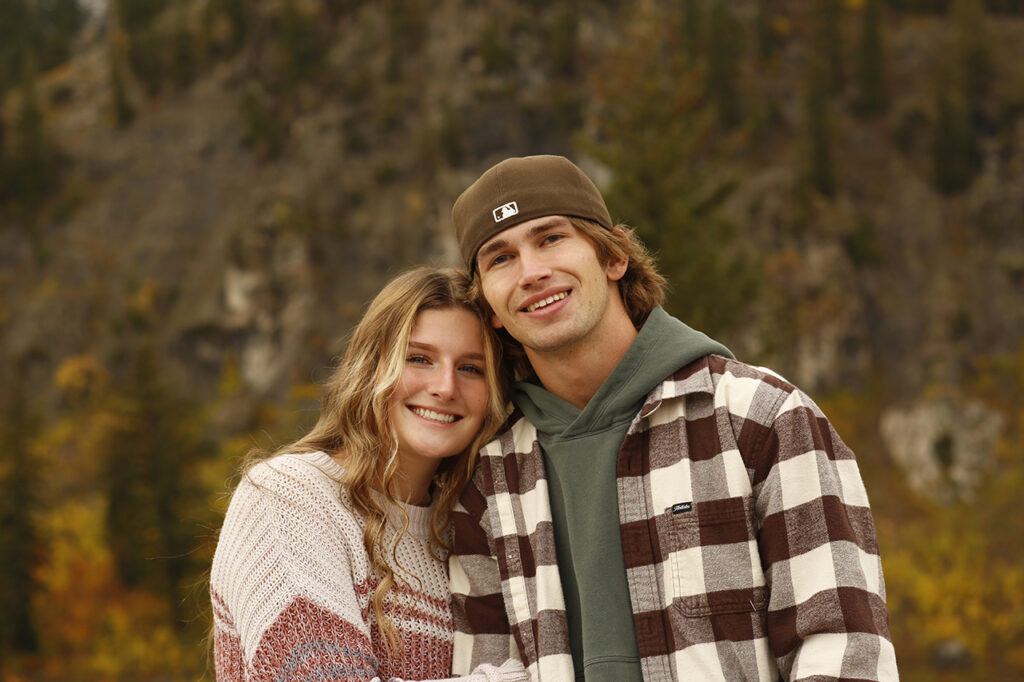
499, 244
491, 247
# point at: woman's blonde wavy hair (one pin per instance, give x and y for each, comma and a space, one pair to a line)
355, 429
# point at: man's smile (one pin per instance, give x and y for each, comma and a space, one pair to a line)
546, 301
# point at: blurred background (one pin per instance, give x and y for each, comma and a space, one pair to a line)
198, 198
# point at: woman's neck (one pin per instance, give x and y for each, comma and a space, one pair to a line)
413, 479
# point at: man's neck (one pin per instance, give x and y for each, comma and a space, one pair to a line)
575, 373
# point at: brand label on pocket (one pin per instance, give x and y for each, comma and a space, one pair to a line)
680, 507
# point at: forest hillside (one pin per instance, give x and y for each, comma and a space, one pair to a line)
199, 197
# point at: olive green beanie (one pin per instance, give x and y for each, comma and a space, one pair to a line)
521, 189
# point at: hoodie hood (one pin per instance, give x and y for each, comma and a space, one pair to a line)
663, 345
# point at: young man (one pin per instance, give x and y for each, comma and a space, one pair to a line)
654, 509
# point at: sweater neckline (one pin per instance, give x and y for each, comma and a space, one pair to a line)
419, 517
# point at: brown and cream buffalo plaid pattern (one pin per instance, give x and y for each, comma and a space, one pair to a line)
749, 544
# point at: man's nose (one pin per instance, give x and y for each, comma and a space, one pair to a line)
533, 268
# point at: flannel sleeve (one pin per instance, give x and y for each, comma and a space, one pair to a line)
827, 617
482, 631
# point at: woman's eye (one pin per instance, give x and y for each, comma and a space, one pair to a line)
473, 369
417, 359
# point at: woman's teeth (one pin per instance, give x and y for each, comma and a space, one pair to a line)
435, 416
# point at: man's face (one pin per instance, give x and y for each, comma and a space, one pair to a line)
546, 285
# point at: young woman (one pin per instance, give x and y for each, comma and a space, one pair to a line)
331, 561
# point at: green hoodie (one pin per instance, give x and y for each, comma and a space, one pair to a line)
581, 449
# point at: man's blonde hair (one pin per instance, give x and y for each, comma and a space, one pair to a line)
642, 288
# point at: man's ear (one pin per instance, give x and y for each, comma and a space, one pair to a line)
616, 269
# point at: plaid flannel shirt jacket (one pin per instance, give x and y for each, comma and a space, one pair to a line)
749, 545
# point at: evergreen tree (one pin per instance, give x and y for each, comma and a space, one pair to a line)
407, 31
302, 43
724, 45
871, 93
14, 19
19, 484
145, 44
956, 158
767, 38
563, 45
124, 113
149, 478
56, 23
226, 23
32, 164
184, 63
655, 137
691, 27
819, 171
971, 45
827, 47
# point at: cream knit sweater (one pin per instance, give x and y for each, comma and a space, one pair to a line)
291, 586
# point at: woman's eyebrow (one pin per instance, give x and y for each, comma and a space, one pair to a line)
426, 346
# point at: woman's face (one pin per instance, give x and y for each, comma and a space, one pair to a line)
441, 400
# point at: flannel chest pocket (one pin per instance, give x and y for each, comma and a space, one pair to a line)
713, 558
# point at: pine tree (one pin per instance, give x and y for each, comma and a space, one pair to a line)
56, 23
33, 170
145, 44
302, 43
724, 45
827, 45
184, 63
767, 38
655, 137
691, 27
871, 93
19, 485
14, 42
961, 88
819, 171
956, 158
124, 112
971, 45
148, 476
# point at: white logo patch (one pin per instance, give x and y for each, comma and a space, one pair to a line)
506, 211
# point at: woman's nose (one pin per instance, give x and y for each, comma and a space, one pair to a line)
442, 384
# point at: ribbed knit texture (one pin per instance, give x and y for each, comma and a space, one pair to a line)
291, 585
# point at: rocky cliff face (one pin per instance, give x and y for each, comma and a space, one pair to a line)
265, 255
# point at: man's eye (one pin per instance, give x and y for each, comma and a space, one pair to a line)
551, 238
499, 259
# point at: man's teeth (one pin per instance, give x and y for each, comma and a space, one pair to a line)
436, 416
547, 301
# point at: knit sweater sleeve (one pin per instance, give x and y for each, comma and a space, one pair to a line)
282, 584
285, 584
